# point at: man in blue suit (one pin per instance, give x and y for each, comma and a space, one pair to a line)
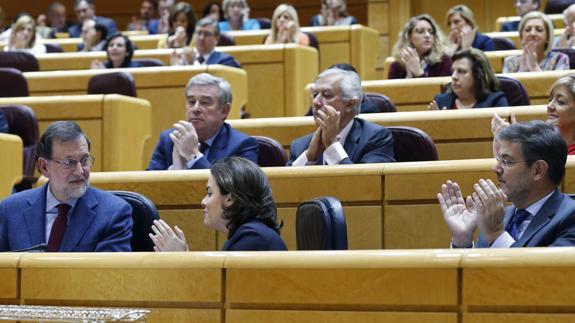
340, 137
66, 214
205, 137
206, 37
85, 9
530, 165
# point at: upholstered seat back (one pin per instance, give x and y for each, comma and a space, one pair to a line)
412, 144
271, 153
112, 83
23, 123
320, 225
12, 83
22, 61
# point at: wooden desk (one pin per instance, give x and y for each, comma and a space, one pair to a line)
514, 36
11, 164
118, 126
556, 18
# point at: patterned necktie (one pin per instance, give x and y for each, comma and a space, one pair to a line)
203, 147
58, 228
515, 222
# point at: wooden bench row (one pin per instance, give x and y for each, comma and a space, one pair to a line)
429, 286
11, 163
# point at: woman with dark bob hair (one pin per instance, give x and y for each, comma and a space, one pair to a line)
473, 84
119, 50
238, 202
182, 22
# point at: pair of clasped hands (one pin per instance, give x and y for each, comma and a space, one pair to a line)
327, 120
186, 144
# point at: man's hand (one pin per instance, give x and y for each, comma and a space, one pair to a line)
315, 148
166, 239
328, 119
185, 139
490, 203
460, 215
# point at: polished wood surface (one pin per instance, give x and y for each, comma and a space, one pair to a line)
118, 126
11, 163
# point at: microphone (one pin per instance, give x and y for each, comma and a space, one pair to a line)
42, 247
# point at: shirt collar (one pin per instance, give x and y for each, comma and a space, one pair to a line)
210, 140
52, 201
206, 57
535, 207
342, 135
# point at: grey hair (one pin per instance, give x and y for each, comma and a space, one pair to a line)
205, 79
62, 131
349, 85
566, 12
209, 22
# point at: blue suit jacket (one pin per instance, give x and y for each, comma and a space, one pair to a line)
494, 99
254, 236
366, 143
223, 59
552, 226
510, 26
76, 29
100, 222
229, 142
483, 42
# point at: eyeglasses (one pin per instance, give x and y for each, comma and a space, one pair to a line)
506, 163
205, 34
69, 163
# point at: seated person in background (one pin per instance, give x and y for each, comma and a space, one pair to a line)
285, 27
3, 21
420, 51
236, 13
164, 8
340, 137
93, 37
566, 40
536, 34
463, 33
182, 26
3, 123
147, 20
85, 9
119, 50
214, 10
239, 203
333, 13
473, 84
66, 214
23, 37
521, 7
205, 137
530, 166
57, 18
206, 38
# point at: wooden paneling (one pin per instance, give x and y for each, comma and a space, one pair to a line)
248, 316
11, 163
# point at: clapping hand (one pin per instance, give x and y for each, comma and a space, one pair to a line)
410, 58
166, 239
459, 214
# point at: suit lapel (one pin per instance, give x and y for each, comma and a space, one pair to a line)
80, 220
219, 144
540, 219
35, 217
213, 58
351, 142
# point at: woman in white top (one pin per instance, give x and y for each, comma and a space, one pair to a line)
23, 37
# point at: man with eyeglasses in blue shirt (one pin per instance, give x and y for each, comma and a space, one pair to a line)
530, 164
66, 214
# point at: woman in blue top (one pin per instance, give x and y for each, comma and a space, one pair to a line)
239, 202
236, 14
463, 33
119, 50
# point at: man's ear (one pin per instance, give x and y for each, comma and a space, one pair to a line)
225, 110
350, 104
42, 166
541, 169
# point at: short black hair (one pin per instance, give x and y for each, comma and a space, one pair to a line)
63, 131
102, 30
129, 48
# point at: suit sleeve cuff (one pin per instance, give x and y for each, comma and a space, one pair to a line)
503, 241
190, 163
301, 160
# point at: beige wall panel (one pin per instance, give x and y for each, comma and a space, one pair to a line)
9, 286
11, 147
414, 227
309, 288
160, 315
464, 150
517, 318
378, 16
248, 316
333, 54
199, 236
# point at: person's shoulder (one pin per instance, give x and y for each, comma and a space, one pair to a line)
256, 235
24, 195
111, 201
371, 127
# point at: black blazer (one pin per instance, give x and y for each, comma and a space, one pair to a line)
494, 99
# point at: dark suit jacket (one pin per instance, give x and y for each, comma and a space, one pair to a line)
494, 99
441, 68
552, 226
483, 42
229, 142
3, 123
254, 236
366, 143
76, 29
223, 59
510, 26
100, 222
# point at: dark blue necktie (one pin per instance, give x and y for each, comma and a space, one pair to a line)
201, 59
515, 222
203, 147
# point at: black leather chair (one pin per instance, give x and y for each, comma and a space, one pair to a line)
514, 91
412, 144
112, 83
226, 40
503, 44
12, 83
149, 62
144, 213
22, 61
271, 152
569, 52
313, 42
265, 23
557, 6
381, 101
320, 225
53, 48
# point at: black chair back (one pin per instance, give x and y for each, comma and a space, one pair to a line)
412, 144
265, 23
313, 42
12, 83
503, 44
144, 213
23, 123
569, 52
383, 103
53, 48
514, 91
112, 83
25, 62
226, 40
271, 153
320, 225
148, 62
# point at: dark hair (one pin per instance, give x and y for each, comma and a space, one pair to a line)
483, 75
343, 66
250, 191
539, 141
129, 49
63, 131
208, 8
102, 30
89, 2
209, 22
189, 11
153, 2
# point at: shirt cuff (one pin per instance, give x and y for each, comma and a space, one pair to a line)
334, 154
503, 241
452, 246
190, 163
301, 160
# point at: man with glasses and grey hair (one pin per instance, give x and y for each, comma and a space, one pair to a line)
530, 164
204, 137
66, 214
